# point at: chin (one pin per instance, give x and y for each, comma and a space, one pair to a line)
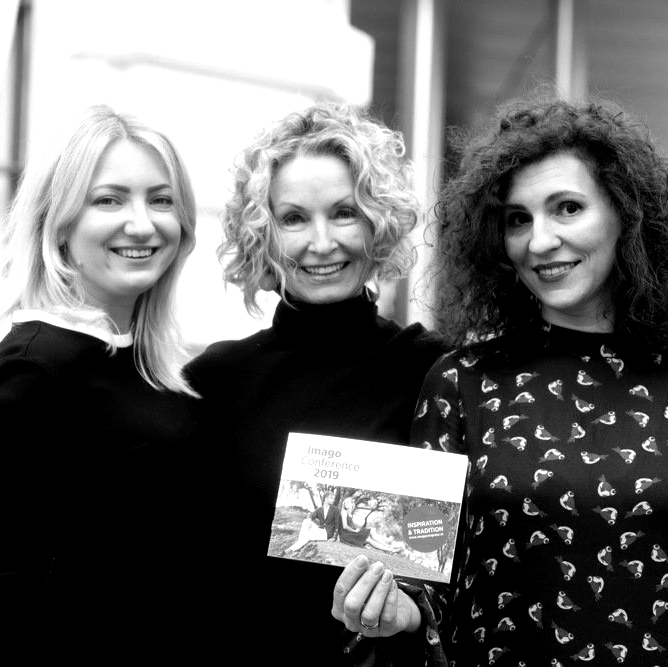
324, 296
323, 300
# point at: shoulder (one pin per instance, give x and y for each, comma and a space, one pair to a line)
226, 355
38, 361
467, 361
48, 346
414, 338
221, 351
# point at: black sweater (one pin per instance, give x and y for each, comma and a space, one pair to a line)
95, 477
336, 369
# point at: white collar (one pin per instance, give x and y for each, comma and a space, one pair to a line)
29, 315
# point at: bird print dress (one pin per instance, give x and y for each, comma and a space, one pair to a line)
564, 540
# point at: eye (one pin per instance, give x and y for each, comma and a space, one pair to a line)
106, 201
345, 213
292, 219
162, 202
516, 218
569, 208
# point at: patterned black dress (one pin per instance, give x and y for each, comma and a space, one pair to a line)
564, 557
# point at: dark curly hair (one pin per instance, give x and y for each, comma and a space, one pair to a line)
479, 295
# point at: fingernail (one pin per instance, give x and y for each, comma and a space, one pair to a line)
387, 575
377, 567
362, 561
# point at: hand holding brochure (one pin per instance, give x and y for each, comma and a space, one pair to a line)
341, 496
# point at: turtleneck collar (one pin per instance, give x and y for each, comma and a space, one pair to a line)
543, 339
343, 320
553, 336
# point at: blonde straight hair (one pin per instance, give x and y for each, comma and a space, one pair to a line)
51, 195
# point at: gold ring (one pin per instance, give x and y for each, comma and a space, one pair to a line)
370, 627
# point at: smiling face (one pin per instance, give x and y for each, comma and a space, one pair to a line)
127, 233
320, 229
561, 231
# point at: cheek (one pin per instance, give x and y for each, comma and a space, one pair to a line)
609, 257
514, 249
357, 238
291, 244
173, 231
80, 244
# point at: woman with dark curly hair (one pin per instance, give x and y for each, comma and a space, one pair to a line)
554, 244
321, 212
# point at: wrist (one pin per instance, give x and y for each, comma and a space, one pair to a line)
415, 620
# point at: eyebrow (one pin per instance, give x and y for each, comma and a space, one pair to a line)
126, 190
550, 198
347, 200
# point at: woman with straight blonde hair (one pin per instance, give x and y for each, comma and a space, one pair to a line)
95, 414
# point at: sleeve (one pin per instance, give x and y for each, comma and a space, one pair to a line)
30, 417
420, 649
438, 422
315, 517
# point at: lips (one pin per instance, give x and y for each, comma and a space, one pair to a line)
323, 269
134, 253
553, 270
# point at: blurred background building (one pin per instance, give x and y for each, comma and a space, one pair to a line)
210, 73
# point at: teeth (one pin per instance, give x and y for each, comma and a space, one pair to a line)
550, 271
134, 253
323, 270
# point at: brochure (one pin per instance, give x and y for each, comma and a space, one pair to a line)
339, 497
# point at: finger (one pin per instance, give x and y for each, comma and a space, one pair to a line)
345, 583
360, 592
388, 615
353, 603
373, 612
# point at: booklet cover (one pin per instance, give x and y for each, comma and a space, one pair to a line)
341, 496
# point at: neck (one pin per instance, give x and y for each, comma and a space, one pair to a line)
122, 319
600, 323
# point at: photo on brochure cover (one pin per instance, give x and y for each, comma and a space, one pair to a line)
414, 537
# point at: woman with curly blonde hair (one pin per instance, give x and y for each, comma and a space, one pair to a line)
381, 194
321, 212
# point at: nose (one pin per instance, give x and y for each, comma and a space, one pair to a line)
544, 235
139, 221
322, 240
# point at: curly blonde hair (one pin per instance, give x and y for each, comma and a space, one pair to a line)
383, 193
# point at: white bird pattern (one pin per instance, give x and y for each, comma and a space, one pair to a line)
570, 471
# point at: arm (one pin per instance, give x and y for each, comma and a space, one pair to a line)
29, 415
348, 523
336, 518
316, 517
438, 423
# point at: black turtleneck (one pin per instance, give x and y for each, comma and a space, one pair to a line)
334, 369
